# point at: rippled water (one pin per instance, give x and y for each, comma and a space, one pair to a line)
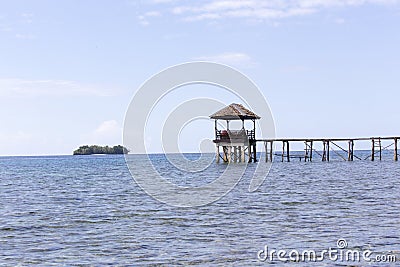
87, 210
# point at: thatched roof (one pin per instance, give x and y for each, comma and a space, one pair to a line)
234, 112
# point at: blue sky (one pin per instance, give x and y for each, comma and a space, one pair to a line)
68, 69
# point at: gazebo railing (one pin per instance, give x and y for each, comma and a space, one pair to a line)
239, 135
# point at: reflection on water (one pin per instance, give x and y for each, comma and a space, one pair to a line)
88, 210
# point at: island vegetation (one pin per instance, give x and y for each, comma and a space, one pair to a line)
95, 149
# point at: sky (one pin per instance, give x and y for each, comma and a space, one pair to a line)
68, 69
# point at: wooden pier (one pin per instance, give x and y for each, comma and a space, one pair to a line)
329, 146
240, 145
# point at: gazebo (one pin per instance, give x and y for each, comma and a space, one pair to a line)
238, 143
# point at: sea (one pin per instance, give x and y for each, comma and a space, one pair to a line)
89, 211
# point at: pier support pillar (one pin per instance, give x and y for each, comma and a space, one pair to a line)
288, 151
396, 155
308, 150
373, 150
268, 151
328, 151
217, 155
351, 151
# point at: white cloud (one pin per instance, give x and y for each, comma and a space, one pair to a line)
260, 9
107, 133
5, 28
27, 18
143, 19
27, 36
229, 58
56, 88
340, 21
152, 14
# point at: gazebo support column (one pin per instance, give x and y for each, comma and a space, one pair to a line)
249, 153
254, 152
225, 152
217, 156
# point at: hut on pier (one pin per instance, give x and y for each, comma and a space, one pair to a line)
238, 145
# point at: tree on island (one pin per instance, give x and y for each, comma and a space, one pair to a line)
95, 149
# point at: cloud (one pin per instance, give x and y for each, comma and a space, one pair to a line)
5, 28
28, 36
340, 21
107, 133
27, 18
260, 9
143, 19
229, 58
55, 88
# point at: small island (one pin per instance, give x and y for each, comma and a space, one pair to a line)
95, 149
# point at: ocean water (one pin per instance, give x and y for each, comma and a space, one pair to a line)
88, 211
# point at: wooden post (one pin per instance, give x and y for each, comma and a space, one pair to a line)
217, 154
306, 151
270, 150
235, 157
266, 151
288, 151
283, 151
380, 149
351, 151
327, 150
324, 151
396, 156
311, 150
255, 152
242, 155
373, 150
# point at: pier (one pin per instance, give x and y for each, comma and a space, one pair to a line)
241, 145
329, 146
